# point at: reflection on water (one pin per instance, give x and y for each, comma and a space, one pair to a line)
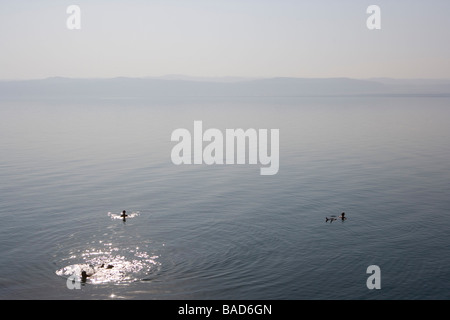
111, 254
116, 216
111, 264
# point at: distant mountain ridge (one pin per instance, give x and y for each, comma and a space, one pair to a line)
183, 86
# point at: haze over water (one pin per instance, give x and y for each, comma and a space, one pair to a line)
225, 231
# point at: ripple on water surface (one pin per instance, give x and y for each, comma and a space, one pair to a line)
115, 258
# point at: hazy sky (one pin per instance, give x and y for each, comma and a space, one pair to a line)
250, 38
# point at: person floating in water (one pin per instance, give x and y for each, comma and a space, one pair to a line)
85, 275
124, 215
333, 218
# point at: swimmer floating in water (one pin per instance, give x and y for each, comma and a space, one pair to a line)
333, 218
124, 215
85, 275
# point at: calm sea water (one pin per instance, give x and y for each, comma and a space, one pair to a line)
224, 231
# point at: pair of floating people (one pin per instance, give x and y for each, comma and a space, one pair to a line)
333, 218
84, 274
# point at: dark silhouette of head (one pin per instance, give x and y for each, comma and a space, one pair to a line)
84, 275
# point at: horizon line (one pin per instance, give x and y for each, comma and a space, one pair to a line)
181, 77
